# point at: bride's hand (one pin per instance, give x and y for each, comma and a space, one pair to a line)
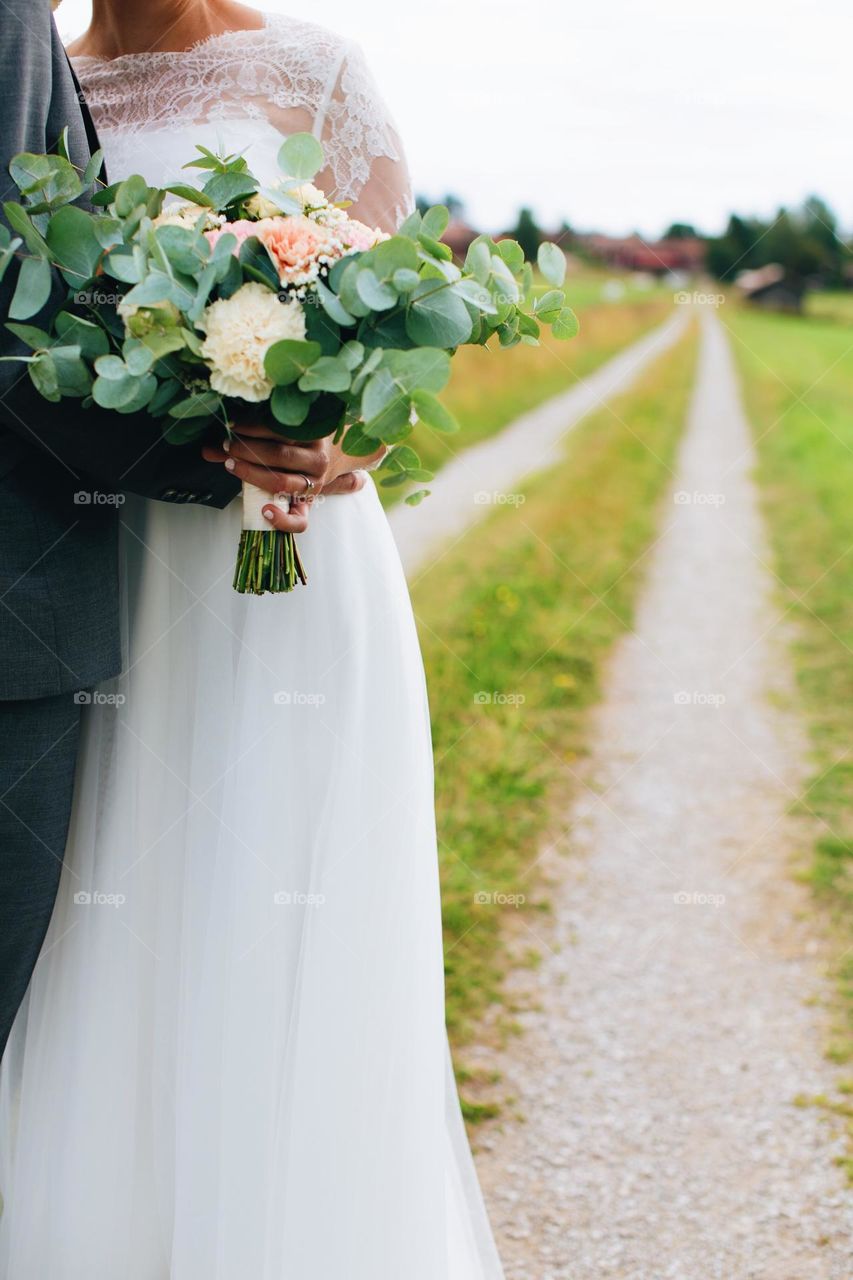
260, 456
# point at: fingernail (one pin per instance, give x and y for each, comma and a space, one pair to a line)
268, 513
230, 464
226, 445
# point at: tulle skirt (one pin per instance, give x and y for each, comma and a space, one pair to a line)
232, 1063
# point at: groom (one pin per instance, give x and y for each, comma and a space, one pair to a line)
62, 471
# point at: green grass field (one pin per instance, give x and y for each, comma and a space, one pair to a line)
516, 624
489, 389
835, 306
798, 381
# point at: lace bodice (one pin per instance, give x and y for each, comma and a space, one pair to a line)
289, 74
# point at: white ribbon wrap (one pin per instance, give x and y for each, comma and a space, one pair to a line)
254, 501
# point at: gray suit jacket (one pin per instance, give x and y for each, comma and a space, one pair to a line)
58, 555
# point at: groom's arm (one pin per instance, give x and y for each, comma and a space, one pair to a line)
37, 99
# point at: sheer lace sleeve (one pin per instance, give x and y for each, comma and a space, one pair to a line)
289, 74
366, 163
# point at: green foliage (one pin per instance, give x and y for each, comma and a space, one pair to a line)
381, 324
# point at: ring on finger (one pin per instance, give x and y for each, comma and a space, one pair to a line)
310, 487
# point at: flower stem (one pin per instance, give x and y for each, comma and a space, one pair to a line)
268, 561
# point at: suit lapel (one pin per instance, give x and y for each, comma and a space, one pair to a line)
88, 122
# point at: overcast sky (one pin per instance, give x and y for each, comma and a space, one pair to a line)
613, 114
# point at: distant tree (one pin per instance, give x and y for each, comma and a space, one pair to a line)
422, 203
804, 241
454, 204
681, 231
528, 233
565, 235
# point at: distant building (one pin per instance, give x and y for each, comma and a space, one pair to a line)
633, 253
459, 236
771, 287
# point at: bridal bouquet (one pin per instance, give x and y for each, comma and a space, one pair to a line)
191, 303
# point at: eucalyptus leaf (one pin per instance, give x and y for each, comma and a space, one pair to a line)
115, 393
44, 377
74, 243
392, 423
288, 360
19, 220
129, 194
257, 263
138, 356
566, 325
192, 194
73, 376
223, 189
32, 291
405, 280
333, 306
301, 156
549, 305
289, 406
436, 317
435, 221
328, 373
416, 498
512, 254
90, 338
552, 262
375, 294
35, 339
201, 404
433, 413
93, 168
424, 367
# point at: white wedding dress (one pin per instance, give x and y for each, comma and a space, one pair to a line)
232, 1062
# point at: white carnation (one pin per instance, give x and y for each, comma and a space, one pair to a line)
240, 330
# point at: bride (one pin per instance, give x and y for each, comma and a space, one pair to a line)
231, 1063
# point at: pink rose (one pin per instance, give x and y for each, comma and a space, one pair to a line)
243, 230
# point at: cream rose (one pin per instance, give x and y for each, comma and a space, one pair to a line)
240, 330
181, 215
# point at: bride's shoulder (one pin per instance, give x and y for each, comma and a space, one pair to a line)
303, 39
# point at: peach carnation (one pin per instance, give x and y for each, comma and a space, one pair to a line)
298, 247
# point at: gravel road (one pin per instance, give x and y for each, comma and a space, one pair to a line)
681, 1001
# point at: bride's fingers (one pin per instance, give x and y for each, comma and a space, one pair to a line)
274, 455
295, 484
293, 521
